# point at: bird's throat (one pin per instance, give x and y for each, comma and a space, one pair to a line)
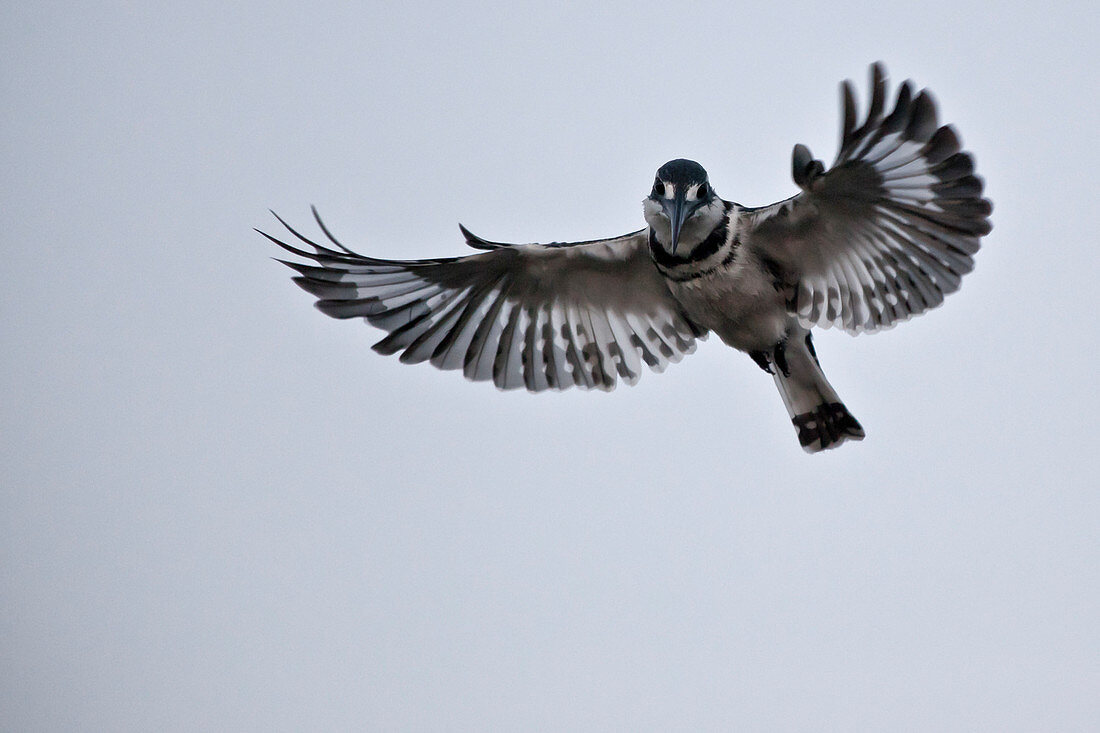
700, 236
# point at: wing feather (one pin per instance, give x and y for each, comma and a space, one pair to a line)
506, 367
890, 229
534, 370
539, 316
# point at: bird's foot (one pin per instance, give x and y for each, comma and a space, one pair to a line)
762, 361
779, 356
810, 348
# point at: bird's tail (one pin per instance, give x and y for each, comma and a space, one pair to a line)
821, 419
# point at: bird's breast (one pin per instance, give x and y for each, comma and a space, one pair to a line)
736, 300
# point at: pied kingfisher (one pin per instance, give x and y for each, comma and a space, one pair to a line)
881, 236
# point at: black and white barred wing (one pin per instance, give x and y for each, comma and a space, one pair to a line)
889, 230
534, 316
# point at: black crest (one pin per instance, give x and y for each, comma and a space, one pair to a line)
682, 172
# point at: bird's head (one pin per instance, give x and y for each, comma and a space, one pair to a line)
679, 202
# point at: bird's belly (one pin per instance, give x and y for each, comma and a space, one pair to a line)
746, 312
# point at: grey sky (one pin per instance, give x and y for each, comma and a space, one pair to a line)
221, 511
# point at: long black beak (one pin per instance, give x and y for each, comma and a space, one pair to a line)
677, 212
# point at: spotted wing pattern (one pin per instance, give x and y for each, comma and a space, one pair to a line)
535, 316
889, 230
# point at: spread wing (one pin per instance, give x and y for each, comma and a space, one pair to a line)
889, 230
532, 315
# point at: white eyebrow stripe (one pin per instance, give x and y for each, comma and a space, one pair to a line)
692, 194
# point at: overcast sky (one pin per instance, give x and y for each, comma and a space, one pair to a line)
219, 510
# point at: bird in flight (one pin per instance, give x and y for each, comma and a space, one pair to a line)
881, 236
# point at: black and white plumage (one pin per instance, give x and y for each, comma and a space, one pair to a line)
884, 234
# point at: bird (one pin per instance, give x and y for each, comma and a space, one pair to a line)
882, 235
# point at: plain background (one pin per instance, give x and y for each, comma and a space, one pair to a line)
222, 511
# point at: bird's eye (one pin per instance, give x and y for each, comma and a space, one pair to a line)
658, 188
702, 192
